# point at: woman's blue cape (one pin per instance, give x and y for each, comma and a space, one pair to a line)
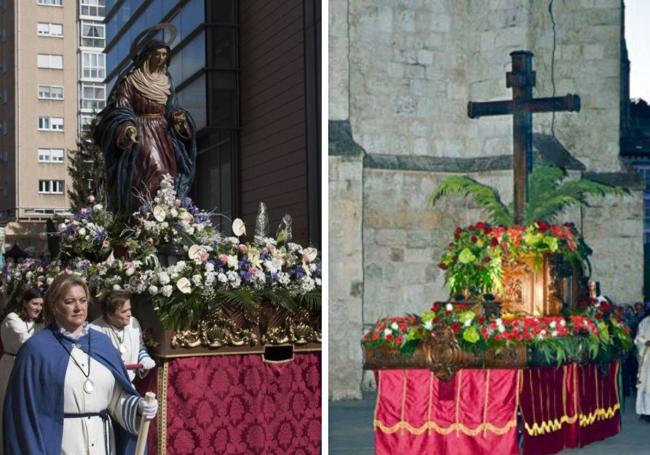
33, 407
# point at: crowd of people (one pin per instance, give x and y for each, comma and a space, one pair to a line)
64, 383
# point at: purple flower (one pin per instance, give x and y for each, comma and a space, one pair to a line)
245, 276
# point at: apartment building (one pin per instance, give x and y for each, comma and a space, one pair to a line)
51, 82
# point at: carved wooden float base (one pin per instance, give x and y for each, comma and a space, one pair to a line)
230, 330
442, 355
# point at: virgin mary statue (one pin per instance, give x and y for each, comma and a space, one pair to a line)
144, 135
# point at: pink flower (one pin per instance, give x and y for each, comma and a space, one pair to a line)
177, 202
243, 248
105, 244
204, 255
223, 258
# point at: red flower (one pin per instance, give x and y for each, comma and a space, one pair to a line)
443, 266
375, 336
471, 227
487, 259
436, 307
497, 337
389, 337
398, 340
481, 319
494, 242
402, 328
455, 327
474, 239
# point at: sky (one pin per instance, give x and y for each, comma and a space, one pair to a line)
637, 36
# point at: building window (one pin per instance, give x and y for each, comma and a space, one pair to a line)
93, 97
50, 186
93, 65
52, 61
85, 122
50, 123
93, 34
49, 29
50, 155
50, 92
50, 2
92, 8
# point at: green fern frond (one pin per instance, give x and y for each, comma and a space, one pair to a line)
281, 298
543, 181
241, 297
549, 208
487, 197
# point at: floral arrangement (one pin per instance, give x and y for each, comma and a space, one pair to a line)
216, 269
87, 234
166, 219
473, 262
593, 335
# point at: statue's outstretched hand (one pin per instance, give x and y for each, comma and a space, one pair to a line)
131, 134
180, 122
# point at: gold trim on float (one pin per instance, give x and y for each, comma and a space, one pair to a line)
162, 379
482, 428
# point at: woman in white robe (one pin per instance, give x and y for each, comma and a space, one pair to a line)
74, 414
642, 342
21, 322
124, 331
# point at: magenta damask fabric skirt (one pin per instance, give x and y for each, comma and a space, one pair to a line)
237, 404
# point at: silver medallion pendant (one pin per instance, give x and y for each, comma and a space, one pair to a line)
89, 386
122, 349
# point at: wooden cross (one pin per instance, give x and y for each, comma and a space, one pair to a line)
521, 107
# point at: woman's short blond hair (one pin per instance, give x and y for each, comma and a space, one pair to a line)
56, 291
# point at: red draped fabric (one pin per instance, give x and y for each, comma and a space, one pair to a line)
474, 412
237, 404
568, 407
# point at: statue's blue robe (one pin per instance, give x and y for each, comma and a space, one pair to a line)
33, 408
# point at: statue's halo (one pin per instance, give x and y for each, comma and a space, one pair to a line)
141, 38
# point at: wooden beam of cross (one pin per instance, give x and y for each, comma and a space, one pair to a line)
522, 106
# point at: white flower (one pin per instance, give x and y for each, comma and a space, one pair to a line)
49, 280
553, 324
163, 278
173, 212
388, 332
310, 254
197, 280
394, 326
159, 213
233, 278
167, 290
467, 322
428, 325
563, 323
98, 207
209, 267
222, 278
542, 333
153, 290
501, 328
283, 278
184, 285
209, 278
238, 227
554, 333
82, 231
194, 252
185, 216
233, 262
449, 307
117, 287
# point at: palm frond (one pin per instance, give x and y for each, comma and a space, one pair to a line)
487, 197
547, 205
543, 181
241, 297
281, 298
549, 208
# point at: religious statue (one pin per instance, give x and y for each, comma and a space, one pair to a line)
144, 135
